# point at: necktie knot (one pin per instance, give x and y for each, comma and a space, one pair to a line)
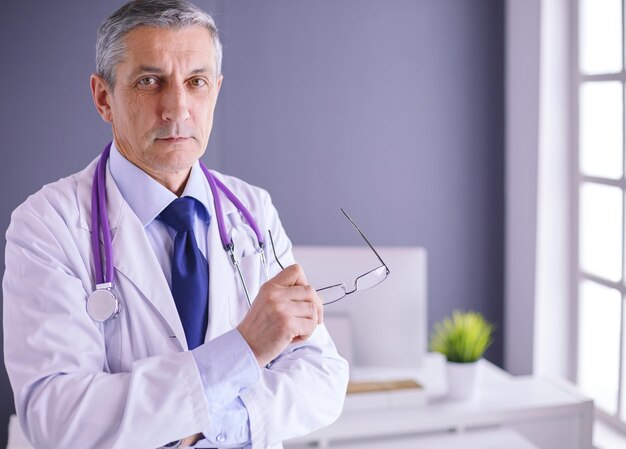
180, 214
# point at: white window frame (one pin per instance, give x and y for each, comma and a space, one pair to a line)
578, 79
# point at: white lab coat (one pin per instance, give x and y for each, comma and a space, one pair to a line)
130, 382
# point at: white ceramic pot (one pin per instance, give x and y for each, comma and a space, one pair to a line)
462, 379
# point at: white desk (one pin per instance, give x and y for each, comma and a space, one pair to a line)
482, 439
549, 414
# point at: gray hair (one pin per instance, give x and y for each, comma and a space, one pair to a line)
167, 14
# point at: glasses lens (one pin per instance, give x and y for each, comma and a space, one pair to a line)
371, 279
333, 293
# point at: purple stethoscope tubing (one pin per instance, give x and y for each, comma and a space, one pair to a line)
102, 304
100, 222
214, 184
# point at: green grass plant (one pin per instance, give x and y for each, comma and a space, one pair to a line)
463, 338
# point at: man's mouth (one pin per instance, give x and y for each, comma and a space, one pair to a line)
174, 139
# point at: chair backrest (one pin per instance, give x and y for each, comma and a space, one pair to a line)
384, 326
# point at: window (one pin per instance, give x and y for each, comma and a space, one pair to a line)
600, 185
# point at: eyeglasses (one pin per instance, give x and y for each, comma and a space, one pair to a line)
336, 292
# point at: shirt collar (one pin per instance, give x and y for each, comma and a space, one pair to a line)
146, 196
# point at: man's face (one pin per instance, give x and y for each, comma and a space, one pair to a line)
161, 109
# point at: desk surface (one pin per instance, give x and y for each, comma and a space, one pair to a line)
483, 439
501, 399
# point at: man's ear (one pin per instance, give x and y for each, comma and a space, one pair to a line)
219, 84
101, 97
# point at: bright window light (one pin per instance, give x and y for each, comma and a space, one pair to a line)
601, 131
599, 336
598, 361
600, 238
600, 36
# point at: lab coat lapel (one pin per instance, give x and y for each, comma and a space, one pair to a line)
135, 259
222, 286
133, 256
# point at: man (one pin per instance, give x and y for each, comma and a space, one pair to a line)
192, 356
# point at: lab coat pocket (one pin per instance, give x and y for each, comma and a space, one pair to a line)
251, 267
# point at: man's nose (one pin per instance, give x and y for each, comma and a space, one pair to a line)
175, 104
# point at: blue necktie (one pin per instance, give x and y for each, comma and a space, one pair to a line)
190, 271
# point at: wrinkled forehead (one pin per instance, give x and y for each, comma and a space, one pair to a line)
188, 47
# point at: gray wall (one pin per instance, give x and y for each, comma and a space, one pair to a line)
391, 109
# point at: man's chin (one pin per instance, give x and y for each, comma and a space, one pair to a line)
177, 158
177, 148
173, 165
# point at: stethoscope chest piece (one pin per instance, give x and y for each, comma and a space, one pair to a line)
102, 305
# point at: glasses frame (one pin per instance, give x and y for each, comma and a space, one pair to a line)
356, 280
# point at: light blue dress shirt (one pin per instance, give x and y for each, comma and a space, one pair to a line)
226, 364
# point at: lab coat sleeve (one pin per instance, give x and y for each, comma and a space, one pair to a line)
217, 360
304, 388
55, 354
302, 391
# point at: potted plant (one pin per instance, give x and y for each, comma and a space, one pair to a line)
462, 339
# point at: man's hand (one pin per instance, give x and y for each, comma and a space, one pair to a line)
285, 310
190, 441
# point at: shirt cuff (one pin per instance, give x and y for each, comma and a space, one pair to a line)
227, 366
230, 427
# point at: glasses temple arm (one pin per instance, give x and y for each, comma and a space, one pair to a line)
274, 250
364, 238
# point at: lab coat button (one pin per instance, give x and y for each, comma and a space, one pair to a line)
221, 438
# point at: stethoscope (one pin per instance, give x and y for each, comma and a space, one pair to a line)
103, 304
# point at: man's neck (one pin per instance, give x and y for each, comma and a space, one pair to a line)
175, 182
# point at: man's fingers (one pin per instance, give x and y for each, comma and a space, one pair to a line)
304, 327
304, 309
292, 275
300, 293
306, 293
285, 310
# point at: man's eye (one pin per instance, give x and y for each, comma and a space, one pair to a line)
198, 82
147, 81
